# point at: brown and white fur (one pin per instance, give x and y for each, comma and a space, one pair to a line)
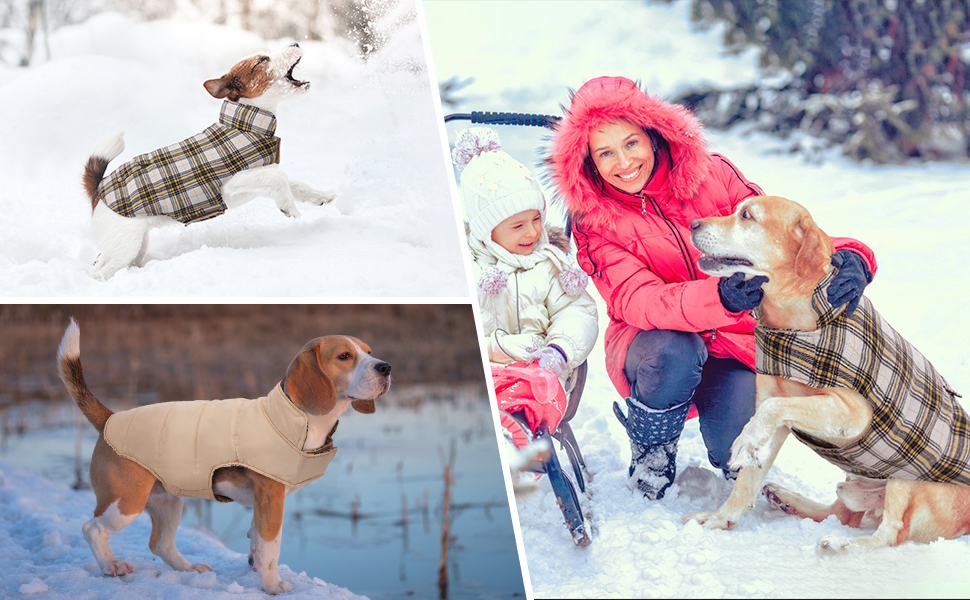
329, 375
260, 80
778, 238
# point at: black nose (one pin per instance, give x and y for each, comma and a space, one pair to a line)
695, 224
382, 368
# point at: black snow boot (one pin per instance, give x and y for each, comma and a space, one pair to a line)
653, 442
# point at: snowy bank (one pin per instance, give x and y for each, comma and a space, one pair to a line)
43, 553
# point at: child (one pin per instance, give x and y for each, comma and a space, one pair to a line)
534, 308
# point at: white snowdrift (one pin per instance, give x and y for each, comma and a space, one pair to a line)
43, 554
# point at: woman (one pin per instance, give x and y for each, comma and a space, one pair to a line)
634, 172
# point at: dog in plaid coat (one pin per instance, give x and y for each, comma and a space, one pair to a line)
229, 163
847, 385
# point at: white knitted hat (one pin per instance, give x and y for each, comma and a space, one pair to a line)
494, 185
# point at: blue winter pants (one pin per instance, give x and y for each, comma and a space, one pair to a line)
666, 367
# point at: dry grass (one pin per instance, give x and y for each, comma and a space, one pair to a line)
136, 354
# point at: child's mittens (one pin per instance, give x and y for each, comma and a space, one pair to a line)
493, 281
550, 358
573, 281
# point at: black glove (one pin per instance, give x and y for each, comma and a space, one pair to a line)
738, 294
851, 281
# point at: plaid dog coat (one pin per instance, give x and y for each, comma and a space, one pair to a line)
184, 181
919, 431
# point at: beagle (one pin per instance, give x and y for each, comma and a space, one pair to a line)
228, 164
848, 386
254, 452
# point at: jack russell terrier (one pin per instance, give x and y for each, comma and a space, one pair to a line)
847, 386
228, 164
254, 452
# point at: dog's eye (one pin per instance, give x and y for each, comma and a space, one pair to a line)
344, 356
746, 215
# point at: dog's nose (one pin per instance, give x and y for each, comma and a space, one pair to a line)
382, 368
695, 224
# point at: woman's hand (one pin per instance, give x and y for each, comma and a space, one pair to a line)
850, 282
739, 294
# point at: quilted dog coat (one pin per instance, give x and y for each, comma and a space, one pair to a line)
183, 443
919, 431
184, 181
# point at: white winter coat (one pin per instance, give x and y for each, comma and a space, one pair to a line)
532, 310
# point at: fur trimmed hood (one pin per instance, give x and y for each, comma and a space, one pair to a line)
608, 99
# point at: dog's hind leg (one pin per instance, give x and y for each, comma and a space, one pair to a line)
166, 511
121, 240
122, 489
304, 193
795, 504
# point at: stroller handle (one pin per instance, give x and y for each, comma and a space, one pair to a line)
503, 118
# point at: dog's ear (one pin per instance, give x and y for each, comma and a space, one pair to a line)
308, 385
364, 406
815, 250
219, 88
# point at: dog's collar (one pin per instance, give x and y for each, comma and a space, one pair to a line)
247, 118
825, 313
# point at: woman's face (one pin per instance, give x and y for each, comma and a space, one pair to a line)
623, 155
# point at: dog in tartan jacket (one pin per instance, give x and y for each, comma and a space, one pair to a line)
848, 386
229, 163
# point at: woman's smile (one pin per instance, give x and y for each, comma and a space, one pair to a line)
623, 155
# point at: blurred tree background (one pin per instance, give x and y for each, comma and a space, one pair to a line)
137, 354
364, 25
885, 80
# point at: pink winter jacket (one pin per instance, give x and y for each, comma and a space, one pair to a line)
637, 248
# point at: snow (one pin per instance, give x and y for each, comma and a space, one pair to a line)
914, 218
366, 130
43, 553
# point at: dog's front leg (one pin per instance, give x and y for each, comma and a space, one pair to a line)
745, 491
267, 531
268, 181
304, 193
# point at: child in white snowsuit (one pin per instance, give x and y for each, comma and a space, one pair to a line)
534, 307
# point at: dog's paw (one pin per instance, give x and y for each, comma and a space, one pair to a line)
277, 588
290, 211
750, 449
777, 497
321, 197
117, 568
833, 544
201, 567
711, 520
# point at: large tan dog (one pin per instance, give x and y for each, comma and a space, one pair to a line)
912, 450
255, 452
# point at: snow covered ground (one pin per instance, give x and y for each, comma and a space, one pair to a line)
914, 217
366, 130
43, 554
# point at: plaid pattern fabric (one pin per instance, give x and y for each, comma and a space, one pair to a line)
919, 431
184, 181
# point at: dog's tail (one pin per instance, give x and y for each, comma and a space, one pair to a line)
69, 366
97, 164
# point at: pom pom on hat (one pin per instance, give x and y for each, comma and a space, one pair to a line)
573, 281
472, 142
493, 281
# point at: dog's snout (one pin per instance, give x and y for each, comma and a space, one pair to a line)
383, 368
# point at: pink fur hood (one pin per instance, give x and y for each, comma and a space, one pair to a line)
607, 99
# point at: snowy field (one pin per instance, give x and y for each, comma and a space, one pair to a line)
914, 217
366, 130
43, 554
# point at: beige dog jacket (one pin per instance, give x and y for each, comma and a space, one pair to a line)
183, 443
